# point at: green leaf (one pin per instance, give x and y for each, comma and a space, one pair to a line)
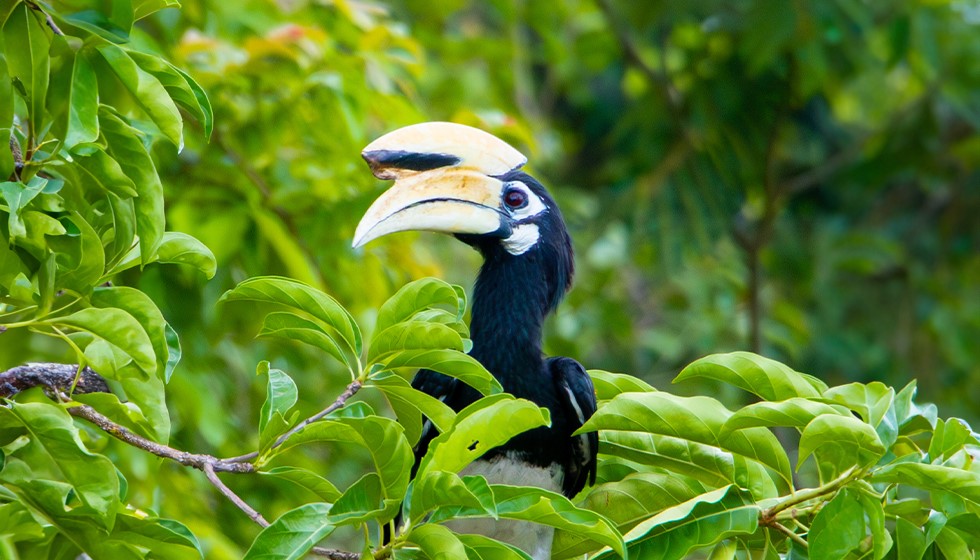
766, 378
180, 86
608, 385
173, 352
949, 437
440, 489
796, 412
626, 503
319, 486
24, 33
126, 145
447, 362
480, 427
83, 102
873, 402
118, 328
437, 542
81, 259
18, 196
146, 313
6, 117
698, 522
180, 248
112, 22
411, 404
875, 516
699, 419
54, 453
292, 535
99, 170
301, 298
838, 528
479, 547
147, 91
362, 501
706, 463
414, 297
280, 396
381, 437
842, 440
554, 510
413, 335
283, 324
965, 484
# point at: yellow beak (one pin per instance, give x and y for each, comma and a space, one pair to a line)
444, 181
447, 200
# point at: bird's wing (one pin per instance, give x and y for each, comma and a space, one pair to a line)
577, 397
435, 385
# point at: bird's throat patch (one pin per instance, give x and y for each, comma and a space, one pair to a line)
521, 239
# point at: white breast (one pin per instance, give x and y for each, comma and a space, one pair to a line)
508, 469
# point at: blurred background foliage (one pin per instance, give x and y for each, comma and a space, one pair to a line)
795, 178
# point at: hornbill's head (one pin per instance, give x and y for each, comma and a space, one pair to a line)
456, 179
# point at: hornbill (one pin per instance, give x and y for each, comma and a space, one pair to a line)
459, 180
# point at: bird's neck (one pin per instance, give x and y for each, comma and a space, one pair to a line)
510, 302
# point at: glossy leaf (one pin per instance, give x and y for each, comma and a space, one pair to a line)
413, 335
127, 148
843, 440
146, 91
965, 484
411, 405
83, 102
116, 327
762, 376
140, 307
447, 362
381, 437
440, 489
300, 297
701, 521
280, 396
316, 484
838, 528
627, 503
479, 547
796, 412
608, 385
480, 427
180, 86
54, 453
699, 419
24, 32
290, 326
437, 542
292, 535
415, 297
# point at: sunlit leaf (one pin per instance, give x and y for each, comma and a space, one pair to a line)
24, 32
440, 489
437, 542
479, 428
300, 297
83, 102
292, 535
116, 327
843, 440
448, 362
280, 396
762, 376
838, 528
319, 486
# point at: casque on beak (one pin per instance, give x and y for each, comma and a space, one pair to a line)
444, 181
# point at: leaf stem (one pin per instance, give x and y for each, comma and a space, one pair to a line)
789, 533
349, 392
768, 517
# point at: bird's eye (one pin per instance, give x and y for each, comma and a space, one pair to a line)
515, 198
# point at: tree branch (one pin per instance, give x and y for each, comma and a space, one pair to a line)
198, 461
54, 27
58, 379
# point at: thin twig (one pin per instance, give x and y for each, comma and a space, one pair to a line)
349, 392
768, 517
789, 533
54, 27
195, 460
232, 496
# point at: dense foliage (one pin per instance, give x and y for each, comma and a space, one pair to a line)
797, 180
